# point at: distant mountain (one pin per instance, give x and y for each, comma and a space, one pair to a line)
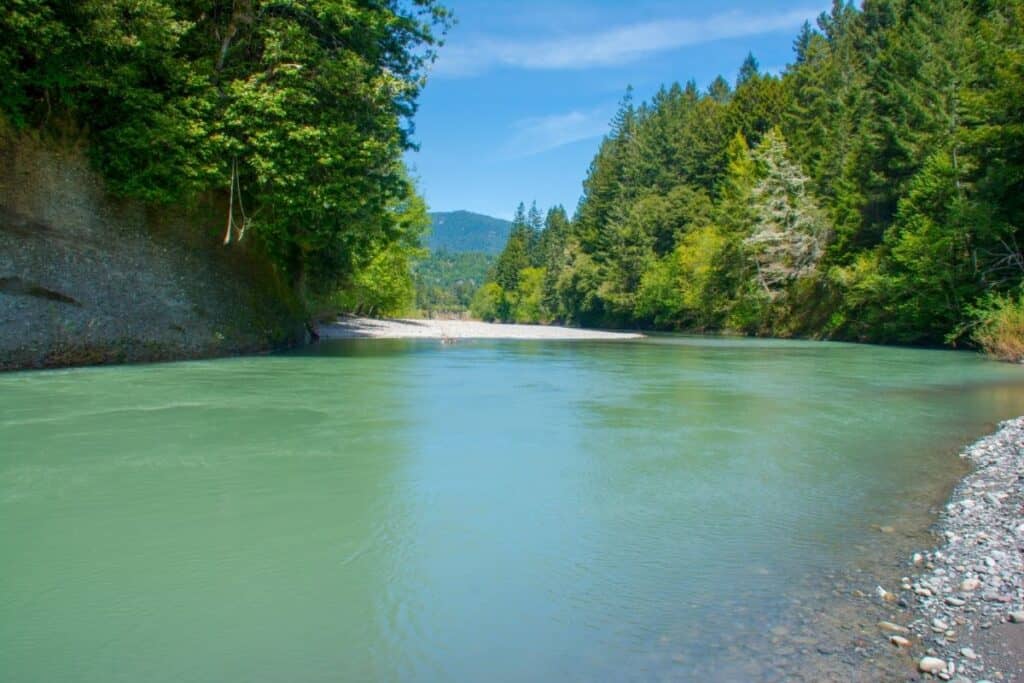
463, 231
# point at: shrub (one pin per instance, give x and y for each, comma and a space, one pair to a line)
490, 303
1000, 327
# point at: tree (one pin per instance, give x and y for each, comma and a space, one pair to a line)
553, 247
518, 252
789, 231
528, 300
719, 90
749, 70
883, 200
489, 303
298, 112
385, 285
677, 291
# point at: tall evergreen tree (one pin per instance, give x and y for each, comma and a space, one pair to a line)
749, 70
884, 198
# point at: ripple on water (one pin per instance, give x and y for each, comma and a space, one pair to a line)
682, 509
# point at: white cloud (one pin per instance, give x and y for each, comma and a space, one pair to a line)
538, 134
611, 47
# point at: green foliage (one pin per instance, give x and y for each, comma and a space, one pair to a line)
518, 253
385, 286
999, 326
296, 110
490, 303
875, 191
677, 291
528, 300
446, 282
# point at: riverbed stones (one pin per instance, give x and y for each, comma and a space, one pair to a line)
976, 578
899, 641
890, 627
969, 585
932, 665
885, 595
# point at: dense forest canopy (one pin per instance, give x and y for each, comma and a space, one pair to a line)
874, 191
447, 280
298, 111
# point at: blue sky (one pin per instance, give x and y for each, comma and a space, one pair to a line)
523, 91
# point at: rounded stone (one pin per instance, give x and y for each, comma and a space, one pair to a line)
931, 665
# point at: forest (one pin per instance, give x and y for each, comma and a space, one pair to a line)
296, 113
874, 191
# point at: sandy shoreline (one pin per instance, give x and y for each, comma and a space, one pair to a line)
350, 327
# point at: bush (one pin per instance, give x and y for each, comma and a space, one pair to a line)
528, 304
489, 304
1000, 327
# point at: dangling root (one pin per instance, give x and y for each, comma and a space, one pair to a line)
239, 230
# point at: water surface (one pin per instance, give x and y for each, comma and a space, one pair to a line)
501, 511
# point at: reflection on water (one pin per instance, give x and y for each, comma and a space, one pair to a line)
675, 508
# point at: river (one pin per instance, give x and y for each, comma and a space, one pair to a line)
671, 509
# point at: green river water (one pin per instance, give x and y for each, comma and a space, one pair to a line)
671, 509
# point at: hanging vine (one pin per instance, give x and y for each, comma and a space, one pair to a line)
237, 227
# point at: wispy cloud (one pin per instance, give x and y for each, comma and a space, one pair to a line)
612, 47
538, 134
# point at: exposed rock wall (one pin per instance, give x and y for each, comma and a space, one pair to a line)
86, 278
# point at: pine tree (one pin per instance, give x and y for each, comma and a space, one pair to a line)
749, 70
719, 90
517, 253
903, 117
802, 42
554, 246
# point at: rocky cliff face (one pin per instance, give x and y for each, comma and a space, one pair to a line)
86, 278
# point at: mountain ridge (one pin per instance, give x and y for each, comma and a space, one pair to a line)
465, 231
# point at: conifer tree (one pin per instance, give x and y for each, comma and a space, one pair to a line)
789, 230
749, 70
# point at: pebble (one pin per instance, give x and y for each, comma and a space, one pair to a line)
932, 665
892, 628
976, 578
969, 585
899, 641
885, 595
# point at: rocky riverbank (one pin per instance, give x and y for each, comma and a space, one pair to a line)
966, 604
87, 278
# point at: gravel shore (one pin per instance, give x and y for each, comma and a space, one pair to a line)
968, 601
348, 327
